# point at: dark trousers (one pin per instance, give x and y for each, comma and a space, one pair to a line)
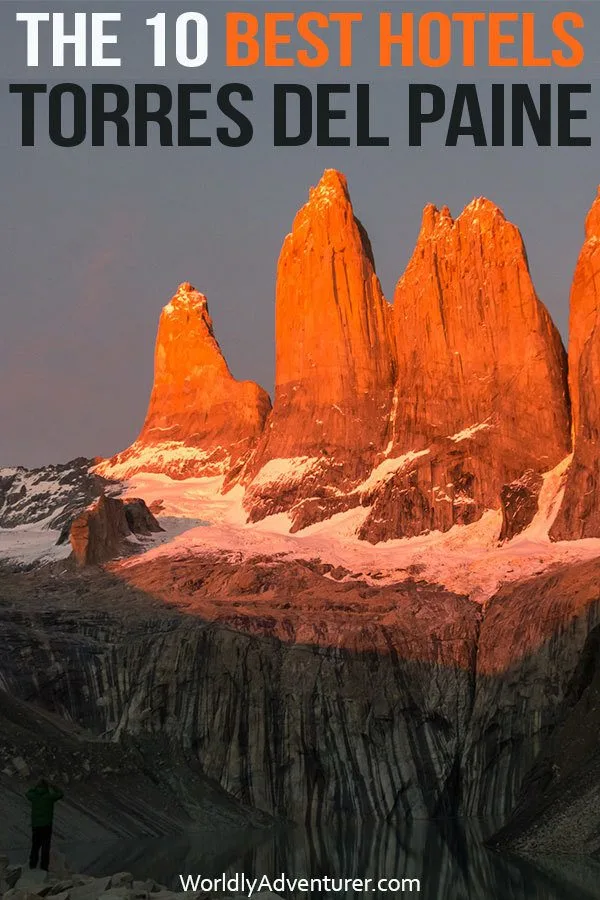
41, 835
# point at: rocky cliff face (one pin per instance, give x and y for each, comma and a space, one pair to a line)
200, 420
308, 715
520, 503
425, 427
530, 646
334, 372
131, 790
104, 529
579, 514
558, 810
559, 803
351, 701
475, 345
481, 383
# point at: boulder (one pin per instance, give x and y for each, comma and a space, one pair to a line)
101, 531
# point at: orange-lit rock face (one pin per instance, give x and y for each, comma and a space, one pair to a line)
334, 367
579, 514
332, 344
481, 384
200, 420
194, 397
420, 413
475, 345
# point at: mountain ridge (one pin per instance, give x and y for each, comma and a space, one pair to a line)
423, 410
420, 416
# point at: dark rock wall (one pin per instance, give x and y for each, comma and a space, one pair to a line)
311, 731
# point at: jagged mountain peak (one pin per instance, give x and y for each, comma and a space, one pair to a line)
334, 355
481, 214
482, 208
433, 218
200, 419
481, 375
185, 297
332, 185
327, 219
186, 320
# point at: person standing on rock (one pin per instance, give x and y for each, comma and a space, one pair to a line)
42, 798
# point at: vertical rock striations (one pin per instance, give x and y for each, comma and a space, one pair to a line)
348, 704
318, 700
579, 513
200, 420
530, 645
481, 386
334, 364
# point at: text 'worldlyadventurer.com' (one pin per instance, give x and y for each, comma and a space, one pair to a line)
239, 883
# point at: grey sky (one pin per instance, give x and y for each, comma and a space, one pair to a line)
96, 241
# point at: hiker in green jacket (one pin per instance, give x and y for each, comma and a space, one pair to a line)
42, 798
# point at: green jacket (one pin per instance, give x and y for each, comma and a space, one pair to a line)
42, 804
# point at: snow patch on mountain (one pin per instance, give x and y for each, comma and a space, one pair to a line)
199, 518
467, 433
389, 467
466, 559
549, 500
32, 544
50, 496
191, 499
174, 457
289, 471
